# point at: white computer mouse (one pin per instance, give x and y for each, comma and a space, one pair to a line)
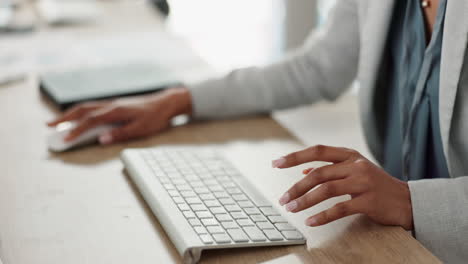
56, 142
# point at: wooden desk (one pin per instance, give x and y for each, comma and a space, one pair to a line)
80, 207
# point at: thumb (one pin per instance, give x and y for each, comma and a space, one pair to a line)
123, 133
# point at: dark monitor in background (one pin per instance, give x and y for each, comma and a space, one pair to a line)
162, 6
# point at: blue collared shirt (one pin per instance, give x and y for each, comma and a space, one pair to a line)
413, 144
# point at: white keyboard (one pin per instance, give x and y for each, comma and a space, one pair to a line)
219, 206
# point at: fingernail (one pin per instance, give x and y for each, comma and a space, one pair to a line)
291, 206
307, 171
105, 139
284, 199
278, 163
311, 221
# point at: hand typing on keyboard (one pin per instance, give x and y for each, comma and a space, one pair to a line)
216, 200
375, 193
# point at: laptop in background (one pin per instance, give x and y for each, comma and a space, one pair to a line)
95, 83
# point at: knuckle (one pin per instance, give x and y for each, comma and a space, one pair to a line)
292, 157
319, 175
353, 153
294, 189
305, 200
91, 118
117, 109
317, 150
328, 189
362, 165
341, 209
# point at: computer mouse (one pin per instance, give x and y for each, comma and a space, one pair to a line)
56, 142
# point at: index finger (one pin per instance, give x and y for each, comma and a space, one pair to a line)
74, 113
315, 153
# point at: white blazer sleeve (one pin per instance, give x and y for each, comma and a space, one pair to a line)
322, 69
440, 215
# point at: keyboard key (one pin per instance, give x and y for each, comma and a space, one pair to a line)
245, 204
193, 200
169, 186
229, 225
277, 219
273, 235
208, 196
221, 195
184, 207
203, 214
164, 180
245, 222
212, 203
209, 222
240, 197
188, 214
195, 222
228, 184
292, 235
178, 200
197, 184
265, 225
223, 217
239, 215
187, 194
251, 192
217, 210
285, 227
206, 239
222, 179
221, 238
192, 178
234, 190
233, 208
200, 230
179, 182
215, 188
211, 182
227, 201
269, 211
215, 230
201, 190
198, 207
258, 218
254, 233
183, 187
252, 211
238, 235
173, 193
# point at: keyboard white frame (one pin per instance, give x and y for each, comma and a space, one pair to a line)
181, 233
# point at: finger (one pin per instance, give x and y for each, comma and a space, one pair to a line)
76, 112
306, 171
324, 192
127, 132
314, 178
338, 211
315, 153
93, 120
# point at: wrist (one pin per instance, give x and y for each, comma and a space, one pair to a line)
178, 100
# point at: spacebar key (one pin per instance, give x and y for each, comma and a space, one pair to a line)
251, 192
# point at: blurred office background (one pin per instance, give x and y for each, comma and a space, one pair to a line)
230, 34
226, 34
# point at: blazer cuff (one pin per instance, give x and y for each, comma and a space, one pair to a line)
204, 103
437, 208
